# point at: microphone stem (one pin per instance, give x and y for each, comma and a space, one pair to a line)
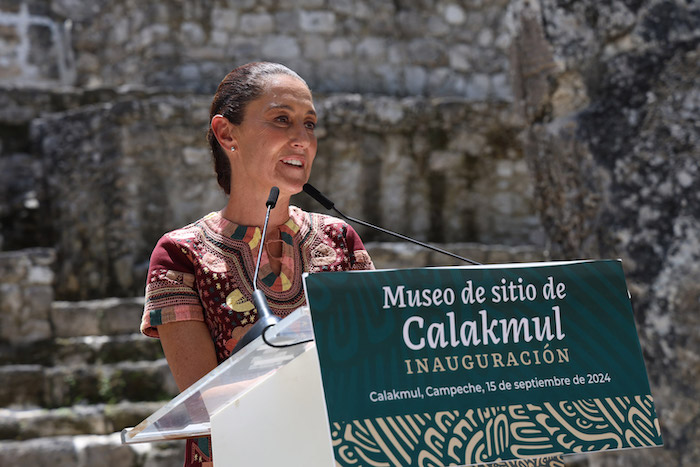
403, 237
262, 245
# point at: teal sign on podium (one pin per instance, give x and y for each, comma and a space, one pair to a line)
472, 365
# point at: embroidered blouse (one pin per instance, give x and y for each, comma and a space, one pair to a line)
204, 272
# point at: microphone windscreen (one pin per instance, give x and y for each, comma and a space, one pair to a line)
272, 199
318, 196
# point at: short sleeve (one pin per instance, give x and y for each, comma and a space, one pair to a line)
360, 259
171, 294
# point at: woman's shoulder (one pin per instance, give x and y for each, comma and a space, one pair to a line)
193, 230
332, 242
314, 220
177, 248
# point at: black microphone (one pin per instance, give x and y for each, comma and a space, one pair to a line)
265, 316
328, 204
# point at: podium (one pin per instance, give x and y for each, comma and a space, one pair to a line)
262, 406
433, 366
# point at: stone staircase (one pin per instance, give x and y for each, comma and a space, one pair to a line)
64, 400
74, 374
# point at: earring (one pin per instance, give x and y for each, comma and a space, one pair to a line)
233, 148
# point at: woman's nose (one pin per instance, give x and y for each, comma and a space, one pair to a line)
300, 136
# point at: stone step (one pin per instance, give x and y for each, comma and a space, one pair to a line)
105, 317
107, 450
400, 255
98, 419
82, 350
90, 451
66, 385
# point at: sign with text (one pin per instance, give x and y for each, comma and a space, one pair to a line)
469, 365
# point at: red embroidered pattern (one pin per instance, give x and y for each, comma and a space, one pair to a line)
204, 272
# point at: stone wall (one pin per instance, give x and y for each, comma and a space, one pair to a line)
103, 171
431, 48
24, 214
612, 99
120, 174
449, 120
26, 293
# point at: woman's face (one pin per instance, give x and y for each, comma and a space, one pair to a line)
275, 142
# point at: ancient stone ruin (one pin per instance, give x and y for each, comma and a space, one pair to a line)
519, 130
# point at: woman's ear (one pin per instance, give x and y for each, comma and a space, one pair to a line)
223, 129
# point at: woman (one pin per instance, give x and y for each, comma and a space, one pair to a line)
199, 290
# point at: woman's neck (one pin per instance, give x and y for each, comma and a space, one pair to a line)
250, 210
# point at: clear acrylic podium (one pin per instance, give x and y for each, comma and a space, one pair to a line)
263, 406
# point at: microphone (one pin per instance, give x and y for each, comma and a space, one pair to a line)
265, 316
328, 204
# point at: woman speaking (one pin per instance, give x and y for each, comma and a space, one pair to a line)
199, 286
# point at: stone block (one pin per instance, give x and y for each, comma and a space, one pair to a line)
192, 33
416, 79
317, 21
281, 47
120, 316
25, 296
256, 24
315, 48
224, 19
40, 452
310, 3
66, 386
65, 421
478, 87
340, 47
9, 39
454, 14
14, 266
427, 52
98, 450
46, 58
29, 378
164, 454
129, 414
74, 319
11, 6
371, 49
437, 27
458, 56
397, 255
338, 74
9, 427
137, 381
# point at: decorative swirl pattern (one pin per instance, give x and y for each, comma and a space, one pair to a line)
519, 434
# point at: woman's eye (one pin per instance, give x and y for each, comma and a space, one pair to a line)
310, 125
282, 119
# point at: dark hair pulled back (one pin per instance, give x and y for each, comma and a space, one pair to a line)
241, 86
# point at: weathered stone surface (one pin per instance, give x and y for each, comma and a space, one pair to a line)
133, 175
48, 452
168, 46
83, 350
97, 419
109, 383
26, 293
89, 451
612, 106
24, 206
105, 317
27, 377
604, 109
431, 164
61, 386
449, 170
398, 255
